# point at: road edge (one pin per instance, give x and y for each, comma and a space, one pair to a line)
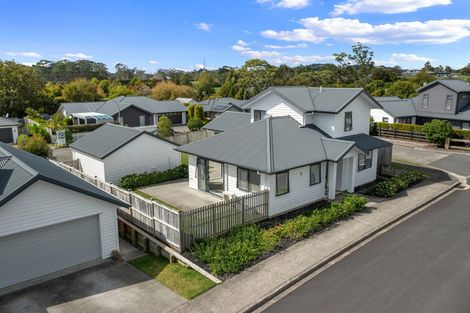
289, 283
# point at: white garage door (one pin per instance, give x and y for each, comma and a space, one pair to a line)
34, 253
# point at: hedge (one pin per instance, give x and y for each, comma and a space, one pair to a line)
394, 185
461, 134
403, 127
229, 253
138, 180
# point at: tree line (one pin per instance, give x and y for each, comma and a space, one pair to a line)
46, 84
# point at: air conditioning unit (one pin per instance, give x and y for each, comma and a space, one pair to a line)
229, 195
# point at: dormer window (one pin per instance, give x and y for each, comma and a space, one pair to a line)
425, 103
448, 103
348, 122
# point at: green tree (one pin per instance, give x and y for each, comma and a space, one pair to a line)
117, 89
80, 90
403, 89
171, 91
437, 131
164, 126
20, 87
195, 123
205, 85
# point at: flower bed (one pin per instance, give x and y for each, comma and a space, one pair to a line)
389, 188
237, 249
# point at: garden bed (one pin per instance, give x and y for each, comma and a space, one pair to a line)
245, 246
393, 186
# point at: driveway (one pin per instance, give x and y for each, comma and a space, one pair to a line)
109, 287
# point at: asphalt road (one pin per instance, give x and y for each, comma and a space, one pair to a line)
421, 265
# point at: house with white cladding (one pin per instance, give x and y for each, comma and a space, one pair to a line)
50, 220
112, 151
302, 144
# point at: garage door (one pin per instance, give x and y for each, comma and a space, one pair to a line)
6, 135
42, 251
175, 117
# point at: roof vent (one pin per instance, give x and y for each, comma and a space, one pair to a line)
4, 160
321, 89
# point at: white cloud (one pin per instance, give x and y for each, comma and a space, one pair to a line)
302, 59
28, 63
352, 7
26, 54
77, 56
404, 58
242, 43
299, 45
353, 30
155, 62
204, 26
199, 66
286, 4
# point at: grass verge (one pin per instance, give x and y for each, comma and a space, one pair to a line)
184, 281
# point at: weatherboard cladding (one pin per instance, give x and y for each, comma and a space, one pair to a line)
228, 120
454, 84
270, 145
28, 168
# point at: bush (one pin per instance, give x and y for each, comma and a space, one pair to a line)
35, 145
83, 128
230, 252
461, 133
394, 185
437, 131
164, 126
40, 131
22, 139
195, 123
138, 180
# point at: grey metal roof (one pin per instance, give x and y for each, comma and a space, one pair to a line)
270, 145
221, 104
314, 99
397, 107
8, 122
366, 142
25, 168
454, 84
228, 120
105, 140
113, 106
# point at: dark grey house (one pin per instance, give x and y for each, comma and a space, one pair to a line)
442, 99
131, 111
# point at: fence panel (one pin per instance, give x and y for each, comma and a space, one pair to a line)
401, 134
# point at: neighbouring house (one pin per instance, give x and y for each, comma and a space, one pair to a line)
112, 151
227, 121
186, 100
132, 111
213, 107
50, 220
8, 130
302, 144
447, 100
93, 118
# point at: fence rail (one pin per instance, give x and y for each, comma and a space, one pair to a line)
218, 218
188, 137
401, 134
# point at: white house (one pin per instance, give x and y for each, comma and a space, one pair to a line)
8, 130
112, 151
303, 145
50, 220
394, 110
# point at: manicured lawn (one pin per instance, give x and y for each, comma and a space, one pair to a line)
185, 281
184, 159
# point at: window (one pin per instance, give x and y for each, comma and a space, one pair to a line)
259, 114
385, 119
448, 103
348, 122
364, 161
425, 103
142, 120
282, 183
248, 180
315, 174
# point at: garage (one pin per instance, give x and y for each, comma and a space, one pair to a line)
6, 135
42, 251
175, 117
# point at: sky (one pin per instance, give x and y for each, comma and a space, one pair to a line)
190, 34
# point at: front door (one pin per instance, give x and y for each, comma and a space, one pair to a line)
202, 169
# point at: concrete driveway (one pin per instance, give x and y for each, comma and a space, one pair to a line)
109, 287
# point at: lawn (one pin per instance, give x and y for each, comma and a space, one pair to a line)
184, 159
184, 281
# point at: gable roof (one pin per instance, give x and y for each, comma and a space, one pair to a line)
271, 145
113, 106
221, 104
8, 122
314, 99
228, 120
23, 169
107, 139
453, 84
397, 107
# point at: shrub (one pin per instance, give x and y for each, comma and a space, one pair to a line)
394, 185
229, 253
138, 180
40, 131
164, 126
83, 128
22, 140
195, 123
35, 145
461, 133
437, 131
399, 126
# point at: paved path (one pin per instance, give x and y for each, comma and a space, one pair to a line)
247, 288
422, 265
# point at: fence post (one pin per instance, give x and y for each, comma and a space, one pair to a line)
447, 144
213, 220
243, 211
130, 196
